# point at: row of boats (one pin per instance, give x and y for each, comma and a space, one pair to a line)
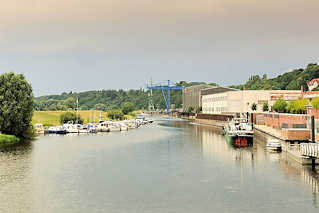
239, 133
102, 126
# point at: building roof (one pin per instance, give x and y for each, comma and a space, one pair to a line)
199, 86
216, 90
311, 83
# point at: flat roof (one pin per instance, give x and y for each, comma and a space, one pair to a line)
216, 90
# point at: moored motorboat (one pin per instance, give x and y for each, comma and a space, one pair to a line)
52, 130
114, 127
39, 129
60, 130
239, 133
103, 127
71, 128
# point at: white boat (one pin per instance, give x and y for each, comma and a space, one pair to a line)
114, 127
123, 127
39, 129
52, 130
274, 144
71, 128
131, 124
103, 127
92, 128
81, 129
57, 130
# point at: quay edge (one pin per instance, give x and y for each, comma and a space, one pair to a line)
263, 136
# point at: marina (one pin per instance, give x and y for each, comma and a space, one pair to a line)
102, 126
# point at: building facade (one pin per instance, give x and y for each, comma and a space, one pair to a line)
192, 96
241, 101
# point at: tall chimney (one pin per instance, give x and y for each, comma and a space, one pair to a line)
244, 87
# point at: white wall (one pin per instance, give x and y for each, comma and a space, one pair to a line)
242, 101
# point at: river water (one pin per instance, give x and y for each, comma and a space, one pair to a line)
166, 167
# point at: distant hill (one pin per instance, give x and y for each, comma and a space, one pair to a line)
287, 81
109, 99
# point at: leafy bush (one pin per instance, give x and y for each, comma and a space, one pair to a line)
315, 103
291, 107
6, 140
298, 106
16, 105
127, 107
70, 116
115, 114
280, 106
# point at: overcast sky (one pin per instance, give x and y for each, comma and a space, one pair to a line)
79, 45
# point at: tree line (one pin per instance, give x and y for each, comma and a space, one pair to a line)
288, 81
107, 100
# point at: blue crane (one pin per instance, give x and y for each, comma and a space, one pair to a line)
168, 88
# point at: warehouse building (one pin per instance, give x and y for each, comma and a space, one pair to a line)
192, 96
241, 101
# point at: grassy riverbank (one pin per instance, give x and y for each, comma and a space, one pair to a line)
7, 140
52, 118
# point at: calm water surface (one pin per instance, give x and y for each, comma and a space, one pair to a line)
167, 167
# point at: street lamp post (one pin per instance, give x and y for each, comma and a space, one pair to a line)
313, 135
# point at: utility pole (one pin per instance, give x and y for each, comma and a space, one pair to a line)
150, 98
77, 110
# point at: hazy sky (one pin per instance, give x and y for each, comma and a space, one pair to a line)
78, 45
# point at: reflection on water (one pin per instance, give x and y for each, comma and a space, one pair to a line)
168, 167
16, 178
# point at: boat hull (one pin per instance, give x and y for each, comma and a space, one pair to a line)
239, 141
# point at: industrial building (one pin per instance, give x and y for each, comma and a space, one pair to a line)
192, 96
221, 101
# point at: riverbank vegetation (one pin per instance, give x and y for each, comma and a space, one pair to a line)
16, 106
8, 140
16, 109
53, 118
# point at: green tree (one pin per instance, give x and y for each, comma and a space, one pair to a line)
315, 103
280, 105
16, 105
301, 105
70, 103
298, 106
254, 107
70, 116
292, 107
127, 107
265, 107
115, 114
100, 106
